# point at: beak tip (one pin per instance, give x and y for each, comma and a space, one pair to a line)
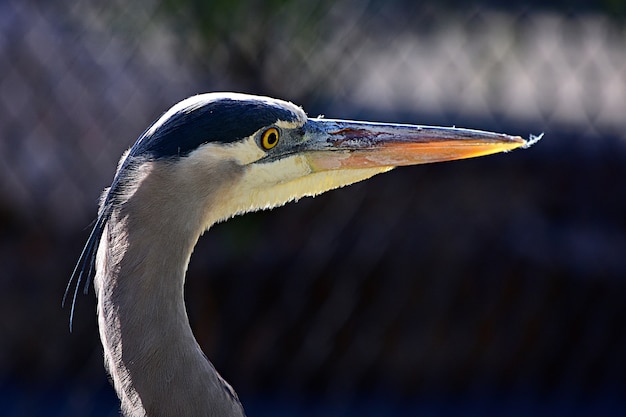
532, 139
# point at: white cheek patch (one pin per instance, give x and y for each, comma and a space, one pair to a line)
270, 185
265, 185
258, 187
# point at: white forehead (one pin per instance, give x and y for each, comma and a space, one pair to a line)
197, 101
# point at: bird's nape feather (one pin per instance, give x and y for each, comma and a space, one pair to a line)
86, 263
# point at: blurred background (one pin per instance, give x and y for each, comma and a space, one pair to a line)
486, 287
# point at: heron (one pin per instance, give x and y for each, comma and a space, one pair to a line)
208, 158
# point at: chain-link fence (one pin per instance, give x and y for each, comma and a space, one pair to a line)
484, 287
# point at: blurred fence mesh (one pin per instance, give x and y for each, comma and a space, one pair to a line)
486, 279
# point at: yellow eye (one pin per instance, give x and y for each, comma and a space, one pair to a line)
269, 138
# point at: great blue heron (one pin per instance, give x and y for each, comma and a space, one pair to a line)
208, 158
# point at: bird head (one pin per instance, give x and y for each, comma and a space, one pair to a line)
243, 153
216, 155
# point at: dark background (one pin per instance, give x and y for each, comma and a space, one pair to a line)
491, 286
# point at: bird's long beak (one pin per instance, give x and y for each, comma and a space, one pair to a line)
346, 144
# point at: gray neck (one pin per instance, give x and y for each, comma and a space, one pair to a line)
157, 367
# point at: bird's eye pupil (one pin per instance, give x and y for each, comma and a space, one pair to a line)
269, 138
